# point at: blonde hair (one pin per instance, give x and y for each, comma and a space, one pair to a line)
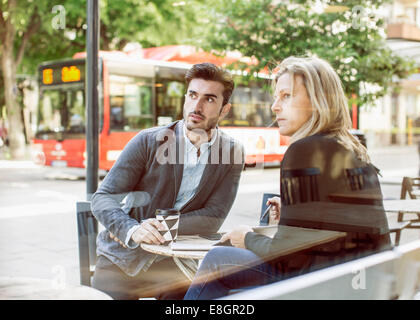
330, 113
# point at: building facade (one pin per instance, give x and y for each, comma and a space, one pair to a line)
392, 120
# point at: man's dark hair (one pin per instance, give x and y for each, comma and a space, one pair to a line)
208, 71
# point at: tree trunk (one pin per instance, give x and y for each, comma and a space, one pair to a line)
15, 133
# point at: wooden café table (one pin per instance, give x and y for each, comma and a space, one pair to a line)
344, 217
21, 288
403, 205
398, 205
292, 240
186, 260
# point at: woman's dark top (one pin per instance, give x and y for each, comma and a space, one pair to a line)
332, 161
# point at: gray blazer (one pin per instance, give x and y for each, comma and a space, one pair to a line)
149, 170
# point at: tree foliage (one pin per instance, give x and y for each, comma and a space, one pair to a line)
348, 34
149, 23
34, 31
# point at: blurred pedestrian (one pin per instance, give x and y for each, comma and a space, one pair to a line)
4, 141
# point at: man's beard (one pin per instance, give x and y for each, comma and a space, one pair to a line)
211, 123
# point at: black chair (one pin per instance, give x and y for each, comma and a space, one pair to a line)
87, 230
299, 185
266, 196
355, 178
359, 179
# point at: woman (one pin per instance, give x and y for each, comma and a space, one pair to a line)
311, 108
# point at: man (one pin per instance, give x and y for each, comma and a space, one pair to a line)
189, 165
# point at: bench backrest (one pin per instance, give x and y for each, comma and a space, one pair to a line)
387, 275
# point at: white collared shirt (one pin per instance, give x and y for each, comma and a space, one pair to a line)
194, 166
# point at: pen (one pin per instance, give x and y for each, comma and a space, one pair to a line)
266, 212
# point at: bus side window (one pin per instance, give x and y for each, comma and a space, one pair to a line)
117, 121
170, 100
250, 107
130, 103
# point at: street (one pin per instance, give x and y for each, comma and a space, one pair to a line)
38, 232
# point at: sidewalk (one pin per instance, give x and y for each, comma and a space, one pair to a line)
395, 162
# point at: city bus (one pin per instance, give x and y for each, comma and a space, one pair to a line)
136, 93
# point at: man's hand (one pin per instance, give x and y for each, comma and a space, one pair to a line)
237, 236
148, 232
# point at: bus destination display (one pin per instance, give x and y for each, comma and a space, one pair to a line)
62, 74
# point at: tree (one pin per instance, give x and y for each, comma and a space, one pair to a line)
348, 34
30, 34
149, 23
14, 22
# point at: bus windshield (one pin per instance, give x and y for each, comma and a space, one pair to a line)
61, 111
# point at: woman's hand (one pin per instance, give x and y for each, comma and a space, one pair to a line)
275, 211
237, 236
